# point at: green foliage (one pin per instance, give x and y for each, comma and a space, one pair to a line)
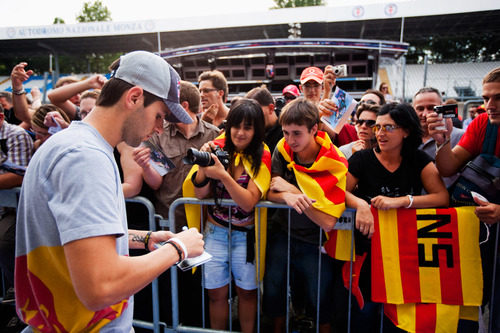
297, 3
94, 12
459, 49
58, 20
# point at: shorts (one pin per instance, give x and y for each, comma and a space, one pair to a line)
216, 271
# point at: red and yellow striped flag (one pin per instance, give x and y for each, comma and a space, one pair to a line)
426, 256
324, 181
427, 318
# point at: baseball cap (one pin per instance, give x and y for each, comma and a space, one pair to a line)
311, 73
291, 89
153, 74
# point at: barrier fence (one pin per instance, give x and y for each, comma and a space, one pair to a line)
9, 198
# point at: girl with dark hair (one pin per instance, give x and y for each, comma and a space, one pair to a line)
391, 175
246, 181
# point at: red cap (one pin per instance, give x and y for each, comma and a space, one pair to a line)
292, 90
481, 109
311, 73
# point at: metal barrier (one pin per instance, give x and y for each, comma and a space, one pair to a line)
155, 325
347, 224
8, 198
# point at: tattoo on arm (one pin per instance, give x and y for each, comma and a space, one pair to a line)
137, 238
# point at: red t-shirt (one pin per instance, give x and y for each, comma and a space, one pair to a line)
473, 138
346, 135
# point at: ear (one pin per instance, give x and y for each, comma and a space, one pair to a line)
134, 97
220, 93
185, 105
314, 129
271, 108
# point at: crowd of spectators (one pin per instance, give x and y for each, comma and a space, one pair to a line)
390, 155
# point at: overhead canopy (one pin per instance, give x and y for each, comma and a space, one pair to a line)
317, 22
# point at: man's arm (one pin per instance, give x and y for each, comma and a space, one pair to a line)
102, 278
17, 77
283, 192
448, 161
60, 96
9, 180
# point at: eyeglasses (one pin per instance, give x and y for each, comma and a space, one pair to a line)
207, 90
386, 128
368, 122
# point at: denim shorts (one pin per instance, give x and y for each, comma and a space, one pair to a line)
216, 271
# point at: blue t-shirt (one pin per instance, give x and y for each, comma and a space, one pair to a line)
71, 191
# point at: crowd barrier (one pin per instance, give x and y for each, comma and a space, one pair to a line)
346, 222
9, 198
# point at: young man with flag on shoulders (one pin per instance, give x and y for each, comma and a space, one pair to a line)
309, 175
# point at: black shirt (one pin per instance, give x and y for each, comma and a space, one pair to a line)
374, 179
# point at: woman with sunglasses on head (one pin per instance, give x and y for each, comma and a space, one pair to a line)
366, 114
391, 175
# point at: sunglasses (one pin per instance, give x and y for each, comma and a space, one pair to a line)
368, 122
386, 128
290, 97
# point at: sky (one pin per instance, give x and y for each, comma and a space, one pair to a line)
43, 12
31, 12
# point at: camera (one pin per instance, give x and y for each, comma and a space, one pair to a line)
448, 111
203, 158
340, 70
279, 103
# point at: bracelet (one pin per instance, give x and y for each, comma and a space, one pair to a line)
179, 252
146, 240
411, 201
202, 184
181, 244
438, 147
19, 92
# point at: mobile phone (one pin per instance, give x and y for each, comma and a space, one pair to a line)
448, 111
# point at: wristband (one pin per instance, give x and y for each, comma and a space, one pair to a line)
146, 240
411, 201
19, 92
438, 147
179, 252
193, 179
181, 244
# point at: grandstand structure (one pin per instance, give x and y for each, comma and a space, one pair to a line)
272, 47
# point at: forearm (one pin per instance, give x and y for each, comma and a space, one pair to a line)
152, 177
21, 109
241, 196
429, 200
446, 162
323, 220
9, 180
101, 277
201, 192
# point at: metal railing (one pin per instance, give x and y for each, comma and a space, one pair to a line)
348, 224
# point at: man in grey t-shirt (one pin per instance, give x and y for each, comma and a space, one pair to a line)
73, 272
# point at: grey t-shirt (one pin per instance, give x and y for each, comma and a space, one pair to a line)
71, 191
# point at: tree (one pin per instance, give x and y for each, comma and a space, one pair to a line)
297, 3
58, 20
94, 12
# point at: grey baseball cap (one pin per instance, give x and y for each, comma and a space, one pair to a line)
153, 74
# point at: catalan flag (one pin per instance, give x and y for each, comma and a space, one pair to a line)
426, 256
262, 180
324, 181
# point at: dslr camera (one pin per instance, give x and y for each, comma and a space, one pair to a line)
203, 158
448, 111
340, 70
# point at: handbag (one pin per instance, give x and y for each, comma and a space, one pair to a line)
481, 175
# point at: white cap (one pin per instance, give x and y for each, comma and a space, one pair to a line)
153, 74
